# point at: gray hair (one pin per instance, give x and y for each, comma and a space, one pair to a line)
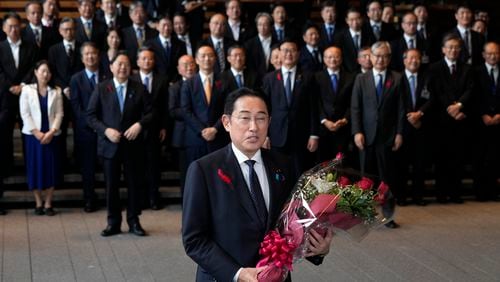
264, 14
381, 44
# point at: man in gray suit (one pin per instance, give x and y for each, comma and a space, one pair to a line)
377, 115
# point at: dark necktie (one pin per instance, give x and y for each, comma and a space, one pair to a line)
92, 82
453, 70
411, 45
280, 34
493, 81
70, 54
330, 34
167, 50
256, 192
220, 56
38, 38
379, 86
356, 42
316, 57
146, 83
376, 32
288, 88
335, 83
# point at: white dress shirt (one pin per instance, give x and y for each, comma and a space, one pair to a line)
235, 29
124, 84
14, 48
150, 80
285, 71
265, 42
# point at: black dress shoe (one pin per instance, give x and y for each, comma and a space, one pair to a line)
136, 229
39, 211
89, 207
392, 224
3, 212
110, 231
50, 211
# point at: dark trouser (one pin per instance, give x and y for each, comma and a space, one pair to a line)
411, 166
152, 169
86, 154
488, 167
378, 159
195, 152
332, 143
449, 163
133, 171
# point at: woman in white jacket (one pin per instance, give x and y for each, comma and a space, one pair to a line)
41, 108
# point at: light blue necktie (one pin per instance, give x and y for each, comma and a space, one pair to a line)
121, 99
379, 86
280, 34
239, 81
376, 32
146, 83
413, 90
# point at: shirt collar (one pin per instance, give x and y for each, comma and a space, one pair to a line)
408, 37
139, 26
372, 23
234, 23
217, 40
235, 72
285, 70
17, 44
143, 75
462, 29
353, 33
89, 73
330, 71
33, 27
311, 48
66, 43
117, 84
163, 39
449, 63
332, 25
408, 74
376, 73
257, 157
203, 77
263, 39
489, 67
84, 20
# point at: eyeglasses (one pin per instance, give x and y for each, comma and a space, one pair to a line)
246, 120
384, 56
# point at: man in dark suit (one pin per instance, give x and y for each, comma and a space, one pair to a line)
329, 27
472, 41
294, 126
187, 69
82, 84
16, 68
181, 29
119, 109
202, 102
34, 32
108, 14
451, 82
311, 54
138, 33
156, 86
352, 39
375, 28
431, 47
218, 42
282, 29
237, 185
88, 28
236, 29
6, 111
167, 49
488, 89
415, 149
408, 40
238, 75
334, 88
259, 47
377, 116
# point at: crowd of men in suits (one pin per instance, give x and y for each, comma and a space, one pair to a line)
393, 99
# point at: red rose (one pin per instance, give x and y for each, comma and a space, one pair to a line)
224, 177
218, 84
365, 183
278, 76
382, 191
339, 156
388, 84
344, 181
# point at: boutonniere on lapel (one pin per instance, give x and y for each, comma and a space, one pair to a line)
109, 88
278, 76
278, 175
388, 83
225, 178
218, 84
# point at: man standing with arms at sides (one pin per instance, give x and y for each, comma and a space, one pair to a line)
334, 88
224, 222
295, 124
82, 85
202, 104
238, 75
218, 42
377, 116
119, 109
157, 87
259, 47
186, 68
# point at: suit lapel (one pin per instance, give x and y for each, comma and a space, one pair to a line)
273, 188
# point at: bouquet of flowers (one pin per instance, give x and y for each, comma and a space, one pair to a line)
324, 197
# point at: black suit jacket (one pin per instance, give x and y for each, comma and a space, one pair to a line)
387, 32
104, 112
246, 32
488, 96
129, 41
256, 59
216, 194
122, 20
62, 66
423, 101
334, 106
349, 53
477, 42
447, 89
323, 35
307, 62
159, 92
250, 80
176, 113
378, 119
227, 42
167, 65
49, 38
9, 74
198, 114
290, 32
98, 35
294, 123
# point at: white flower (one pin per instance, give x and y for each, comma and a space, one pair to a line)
322, 186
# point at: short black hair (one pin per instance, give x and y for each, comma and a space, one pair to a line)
88, 44
309, 25
235, 46
12, 15
327, 3
451, 36
119, 53
243, 92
